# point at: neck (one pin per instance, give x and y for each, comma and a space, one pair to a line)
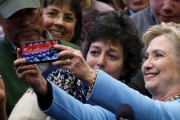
167, 96
86, 4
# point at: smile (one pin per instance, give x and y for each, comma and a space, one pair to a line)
150, 75
57, 33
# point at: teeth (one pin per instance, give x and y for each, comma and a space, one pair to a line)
55, 32
150, 75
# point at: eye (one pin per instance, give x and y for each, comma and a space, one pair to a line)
157, 55
94, 52
68, 18
113, 57
52, 14
146, 57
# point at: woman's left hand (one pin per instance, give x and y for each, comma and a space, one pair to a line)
73, 60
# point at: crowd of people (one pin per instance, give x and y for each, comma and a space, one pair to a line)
126, 53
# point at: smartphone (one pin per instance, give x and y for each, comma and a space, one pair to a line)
40, 51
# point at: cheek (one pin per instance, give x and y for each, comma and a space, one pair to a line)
70, 28
91, 61
47, 23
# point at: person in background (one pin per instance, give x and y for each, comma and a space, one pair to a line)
133, 5
91, 9
1, 32
3, 114
160, 70
159, 11
106, 49
114, 5
62, 18
21, 24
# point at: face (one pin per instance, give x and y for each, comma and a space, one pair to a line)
18, 29
106, 57
160, 70
166, 10
60, 22
136, 5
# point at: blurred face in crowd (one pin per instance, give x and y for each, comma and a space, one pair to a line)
24, 25
166, 10
60, 22
107, 57
160, 70
136, 5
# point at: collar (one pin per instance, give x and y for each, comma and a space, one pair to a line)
152, 16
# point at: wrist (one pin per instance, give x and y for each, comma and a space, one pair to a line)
42, 88
91, 85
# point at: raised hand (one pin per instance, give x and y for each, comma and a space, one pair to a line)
2, 91
73, 60
3, 115
30, 74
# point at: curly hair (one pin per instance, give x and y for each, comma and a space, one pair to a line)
112, 27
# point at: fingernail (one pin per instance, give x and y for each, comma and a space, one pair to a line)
0, 77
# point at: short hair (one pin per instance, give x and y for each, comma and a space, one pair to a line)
112, 27
75, 7
170, 30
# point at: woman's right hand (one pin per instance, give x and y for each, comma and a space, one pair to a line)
30, 74
73, 60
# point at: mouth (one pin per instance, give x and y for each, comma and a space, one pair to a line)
167, 18
56, 32
150, 75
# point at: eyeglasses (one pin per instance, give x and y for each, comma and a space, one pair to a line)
31, 17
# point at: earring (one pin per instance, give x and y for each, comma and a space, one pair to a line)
122, 79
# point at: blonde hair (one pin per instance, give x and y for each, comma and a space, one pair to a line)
171, 30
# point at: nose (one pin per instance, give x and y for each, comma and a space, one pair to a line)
101, 61
25, 23
168, 5
59, 21
148, 64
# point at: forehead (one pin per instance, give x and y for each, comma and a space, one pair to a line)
161, 42
107, 44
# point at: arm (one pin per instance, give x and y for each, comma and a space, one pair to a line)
60, 105
3, 115
65, 107
108, 89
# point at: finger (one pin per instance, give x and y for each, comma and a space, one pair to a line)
66, 54
59, 63
23, 68
23, 74
1, 83
18, 53
62, 47
19, 62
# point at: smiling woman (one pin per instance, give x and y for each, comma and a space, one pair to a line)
63, 19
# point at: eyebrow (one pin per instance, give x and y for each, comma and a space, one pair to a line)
155, 51
110, 50
54, 10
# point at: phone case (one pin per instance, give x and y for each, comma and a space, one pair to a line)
40, 51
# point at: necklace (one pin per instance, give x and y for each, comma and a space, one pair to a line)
174, 98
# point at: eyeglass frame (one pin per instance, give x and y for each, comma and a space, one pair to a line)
40, 13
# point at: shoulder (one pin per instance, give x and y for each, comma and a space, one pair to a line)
100, 6
70, 44
142, 13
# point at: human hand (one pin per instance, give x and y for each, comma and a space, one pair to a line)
30, 74
3, 115
73, 60
2, 91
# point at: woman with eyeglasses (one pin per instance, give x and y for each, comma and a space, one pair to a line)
62, 18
